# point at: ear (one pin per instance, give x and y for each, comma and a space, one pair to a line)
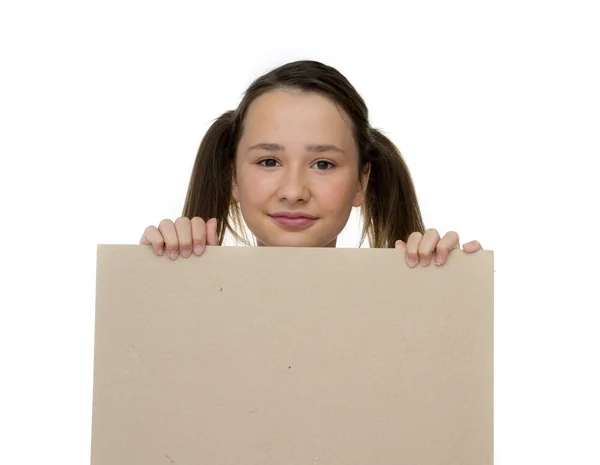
363, 182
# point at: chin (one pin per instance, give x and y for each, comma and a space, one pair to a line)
298, 241
274, 236
288, 243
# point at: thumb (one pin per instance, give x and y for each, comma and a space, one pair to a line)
400, 244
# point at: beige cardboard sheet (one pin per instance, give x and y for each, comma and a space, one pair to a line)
292, 356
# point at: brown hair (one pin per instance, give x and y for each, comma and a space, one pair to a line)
390, 210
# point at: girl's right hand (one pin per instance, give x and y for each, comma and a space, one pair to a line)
181, 237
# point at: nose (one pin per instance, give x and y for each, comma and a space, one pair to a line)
293, 186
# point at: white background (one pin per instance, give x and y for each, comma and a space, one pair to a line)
495, 107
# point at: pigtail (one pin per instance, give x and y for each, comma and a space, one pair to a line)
209, 192
390, 210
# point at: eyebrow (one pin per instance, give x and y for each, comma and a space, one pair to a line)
309, 148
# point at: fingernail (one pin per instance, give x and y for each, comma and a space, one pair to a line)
412, 261
198, 250
185, 252
172, 254
438, 259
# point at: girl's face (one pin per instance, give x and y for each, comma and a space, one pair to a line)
297, 157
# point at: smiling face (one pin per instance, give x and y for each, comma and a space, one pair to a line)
297, 172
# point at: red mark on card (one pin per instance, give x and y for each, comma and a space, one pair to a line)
221, 288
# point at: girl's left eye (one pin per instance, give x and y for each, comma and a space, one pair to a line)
323, 165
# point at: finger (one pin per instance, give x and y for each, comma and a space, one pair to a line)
211, 232
198, 235
183, 228
153, 237
472, 246
400, 244
167, 229
449, 242
412, 248
427, 246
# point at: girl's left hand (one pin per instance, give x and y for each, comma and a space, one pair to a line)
420, 247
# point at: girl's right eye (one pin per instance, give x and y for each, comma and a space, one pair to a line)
268, 163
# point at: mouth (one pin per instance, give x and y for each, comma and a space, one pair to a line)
293, 220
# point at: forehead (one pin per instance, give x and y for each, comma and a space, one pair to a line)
293, 115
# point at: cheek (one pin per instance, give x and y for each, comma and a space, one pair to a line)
337, 195
253, 188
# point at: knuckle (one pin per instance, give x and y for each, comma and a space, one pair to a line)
414, 237
158, 241
151, 235
198, 231
433, 232
182, 220
185, 245
412, 253
196, 220
165, 223
442, 249
426, 248
170, 245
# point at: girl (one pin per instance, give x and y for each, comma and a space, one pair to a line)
291, 161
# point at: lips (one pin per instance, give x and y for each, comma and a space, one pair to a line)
294, 219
